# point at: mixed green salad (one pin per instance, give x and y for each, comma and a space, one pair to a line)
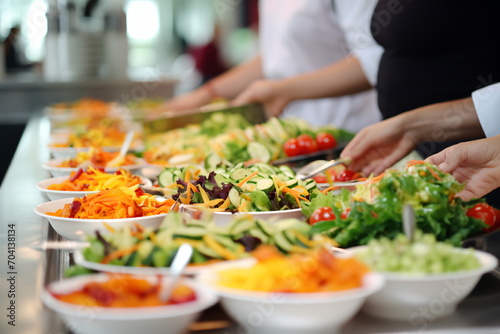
145, 247
424, 255
259, 187
374, 209
232, 138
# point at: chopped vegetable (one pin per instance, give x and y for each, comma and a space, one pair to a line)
424, 256
145, 247
114, 204
375, 207
275, 272
97, 158
95, 179
125, 291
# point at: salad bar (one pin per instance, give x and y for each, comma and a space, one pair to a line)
271, 252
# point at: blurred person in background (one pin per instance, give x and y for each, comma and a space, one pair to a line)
14, 59
298, 37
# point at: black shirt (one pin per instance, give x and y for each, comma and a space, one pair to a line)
435, 50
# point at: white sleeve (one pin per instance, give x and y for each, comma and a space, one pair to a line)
354, 17
487, 103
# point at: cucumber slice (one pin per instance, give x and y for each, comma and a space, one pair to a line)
265, 227
310, 185
258, 151
257, 232
227, 243
242, 226
290, 236
221, 179
145, 248
282, 242
291, 183
212, 161
197, 257
264, 168
166, 178
160, 258
234, 197
133, 260
260, 200
195, 233
207, 251
148, 261
240, 173
287, 170
265, 185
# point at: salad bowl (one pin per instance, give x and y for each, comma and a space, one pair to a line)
224, 219
70, 152
78, 229
55, 171
131, 320
60, 194
268, 312
405, 296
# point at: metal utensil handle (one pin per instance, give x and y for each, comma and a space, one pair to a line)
329, 164
180, 261
409, 221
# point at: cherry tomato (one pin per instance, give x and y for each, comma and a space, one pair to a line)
485, 213
345, 175
291, 147
321, 214
320, 179
345, 213
307, 144
325, 141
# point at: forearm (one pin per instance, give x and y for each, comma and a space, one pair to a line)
338, 79
452, 120
234, 81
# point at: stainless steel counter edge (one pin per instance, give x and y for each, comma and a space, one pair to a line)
22, 279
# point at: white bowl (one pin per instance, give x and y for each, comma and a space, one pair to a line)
261, 312
223, 219
78, 229
112, 268
103, 320
351, 186
55, 171
59, 194
71, 152
408, 297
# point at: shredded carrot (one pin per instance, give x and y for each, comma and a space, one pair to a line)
94, 179
324, 191
114, 204
414, 162
108, 227
98, 158
119, 253
248, 178
275, 272
434, 174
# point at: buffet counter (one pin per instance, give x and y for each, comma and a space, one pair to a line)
25, 270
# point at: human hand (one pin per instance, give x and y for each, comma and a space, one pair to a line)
475, 163
270, 93
379, 146
195, 99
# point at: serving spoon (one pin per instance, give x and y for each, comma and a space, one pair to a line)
123, 150
180, 262
310, 169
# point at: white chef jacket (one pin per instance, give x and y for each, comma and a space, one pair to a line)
487, 103
300, 36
